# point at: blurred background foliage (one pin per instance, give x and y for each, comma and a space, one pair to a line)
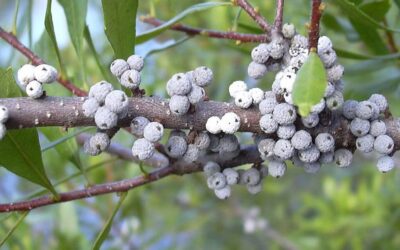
356, 208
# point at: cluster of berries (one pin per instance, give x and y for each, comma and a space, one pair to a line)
31, 78
128, 72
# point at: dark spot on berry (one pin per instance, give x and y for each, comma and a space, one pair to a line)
240, 100
390, 146
236, 120
123, 98
334, 103
130, 80
158, 128
359, 132
169, 148
31, 89
104, 125
358, 144
290, 112
178, 77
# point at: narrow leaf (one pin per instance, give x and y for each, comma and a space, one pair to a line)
52, 134
352, 55
166, 46
20, 149
49, 26
310, 84
11, 231
147, 35
106, 229
377, 9
120, 25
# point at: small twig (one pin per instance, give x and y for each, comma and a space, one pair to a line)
390, 39
36, 60
253, 12
313, 35
279, 15
244, 38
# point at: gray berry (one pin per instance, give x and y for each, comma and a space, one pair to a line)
309, 155
283, 149
288, 30
179, 84
216, 181
192, 154
34, 89
118, 67
223, 193
349, 109
89, 107
328, 57
267, 124
196, 94
267, 105
100, 140
202, 140
211, 168
90, 149
380, 101
330, 88
232, 176
256, 70
105, 119
45, 73
251, 176
138, 124
228, 143
378, 127
179, 104
116, 101
26, 74
343, 157
326, 158
243, 99
203, 76
335, 73
176, 146
153, 132
286, 131
255, 189
335, 101
4, 114
142, 149
266, 147
276, 168
284, 114
384, 144
385, 164
312, 168
365, 143
257, 94
325, 142
301, 140
131, 79
359, 127
135, 62
365, 110
100, 90
260, 54
311, 120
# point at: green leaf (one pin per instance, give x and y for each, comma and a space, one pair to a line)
358, 14
147, 35
370, 37
11, 231
166, 45
120, 25
397, 3
58, 137
310, 84
20, 149
106, 229
351, 55
377, 9
49, 26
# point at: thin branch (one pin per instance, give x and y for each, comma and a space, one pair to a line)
313, 34
36, 60
253, 12
390, 39
244, 38
279, 15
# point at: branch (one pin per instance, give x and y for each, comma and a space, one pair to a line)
260, 20
279, 15
36, 60
244, 38
313, 34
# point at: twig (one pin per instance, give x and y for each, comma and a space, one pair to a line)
244, 38
36, 60
390, 39
313, 34
279, 15
260, 20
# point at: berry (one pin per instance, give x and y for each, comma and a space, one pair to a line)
287, 82
213, 125
153, 131
257, 94
365, 110
232, 176
45, 73
324, 44
131, 79
211, 168
179, 84
311, 120
260, 54
26, 74
301, 140
256, 70
216, 181
325, 142
176, 146
230, 123
312, 168
105, 118
283, 149
380, 101
288, 97
318, 108
100, 140
288, 30
378, 127
254, 189
266, 146
116, 101
228, 143
3, 130
277, 48
100, 90
236, 87
300, 41
365, 143
276, 86
243, 99
309, 155
34, 89
385, 164
202, 76
135, 62
250, 177
335, 101
286, 131
223, 193
343, 157
267, 124
192, 153
330, 89
359, 127
89, 107
284, 114
384, 144
118, 67
142, 149
326, 158
179, 104
328, 57
335, 73
349, 109
202, 140
263, 171
276, 168
267, 105
90, 149
138, 124
3, 114
196, 94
